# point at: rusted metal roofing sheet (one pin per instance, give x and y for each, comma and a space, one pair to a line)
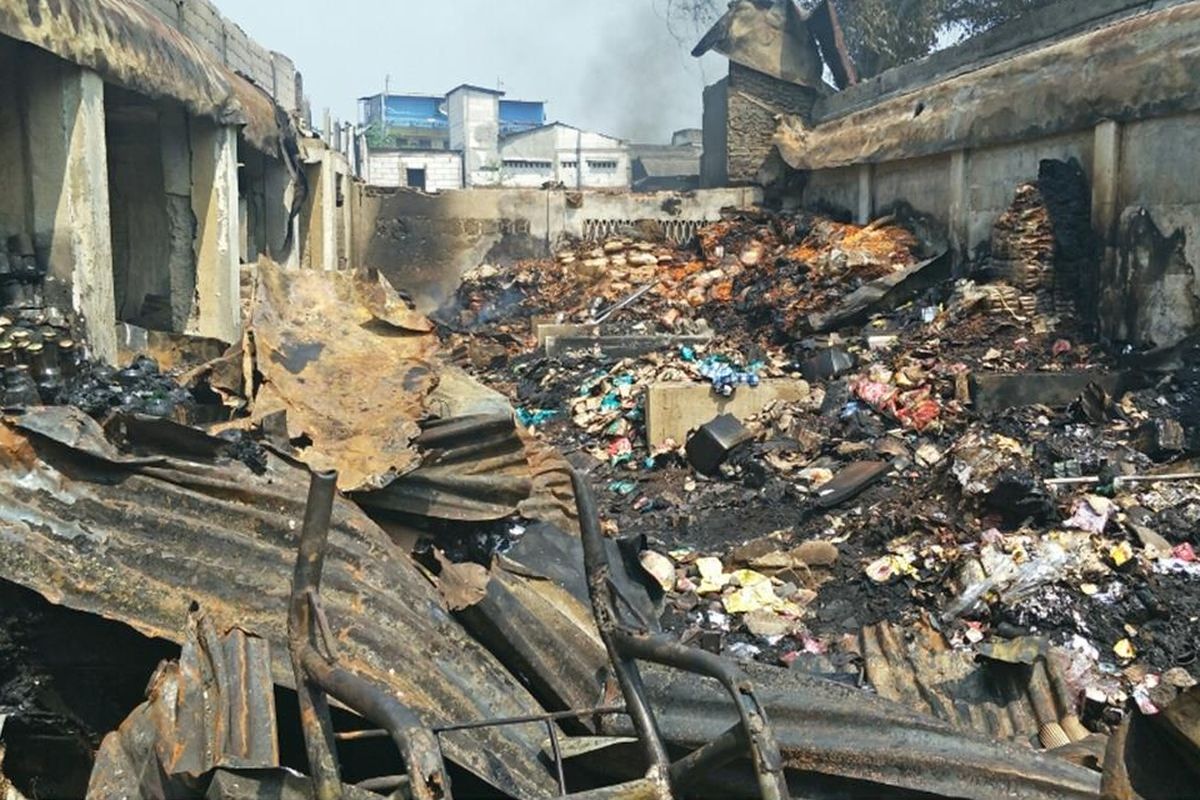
832, 729
319, 342
139, 539
130, 47
214, 707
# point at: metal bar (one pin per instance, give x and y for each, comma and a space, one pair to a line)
633, 298
384, 783
1176, 476
314, 707
714, 755
318, 675
558, 762
350, 736
626, 645
417, 744
596, 566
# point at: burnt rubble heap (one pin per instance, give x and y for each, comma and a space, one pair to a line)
927, 536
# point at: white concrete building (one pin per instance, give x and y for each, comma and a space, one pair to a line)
559, 153
491, 142
427, 170
475, 132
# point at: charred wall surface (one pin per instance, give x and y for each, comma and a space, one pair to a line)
424, 243
753, 102
1116, 93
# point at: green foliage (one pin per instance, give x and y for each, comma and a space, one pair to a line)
883, 33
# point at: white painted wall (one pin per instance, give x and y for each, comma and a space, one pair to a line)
604, 160
443, 170
475, 132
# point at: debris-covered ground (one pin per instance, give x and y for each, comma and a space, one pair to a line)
931, 536
958, 449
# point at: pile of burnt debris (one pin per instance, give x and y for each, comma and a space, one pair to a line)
921, 534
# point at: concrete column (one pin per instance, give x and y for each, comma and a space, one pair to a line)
329, 219
218, 312
278, 206
68, 157
866, 193
347, 220
959, 221
321, 212
177, 183
1106, 179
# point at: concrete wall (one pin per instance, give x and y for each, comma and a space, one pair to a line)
443, 169
1142, 167
137, 202
424, 243
13, 205
475, 132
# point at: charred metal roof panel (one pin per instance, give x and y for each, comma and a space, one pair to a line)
130, 47
139, 539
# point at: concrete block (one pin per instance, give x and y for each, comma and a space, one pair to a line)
550, 329
997, 391
673, 408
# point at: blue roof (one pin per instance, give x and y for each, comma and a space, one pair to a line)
416, 111
521, 115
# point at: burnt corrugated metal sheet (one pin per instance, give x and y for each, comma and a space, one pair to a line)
351, 381
481, 468
215, 707
130, 47
824, 728
1024, 698
837, 730
139, 540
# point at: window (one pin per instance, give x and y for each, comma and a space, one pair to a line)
601, 165
525, 165
570, 164
425, 144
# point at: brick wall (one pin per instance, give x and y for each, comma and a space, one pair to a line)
443, 170
201, 22
754, 100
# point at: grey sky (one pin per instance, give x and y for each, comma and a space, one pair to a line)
605, 65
